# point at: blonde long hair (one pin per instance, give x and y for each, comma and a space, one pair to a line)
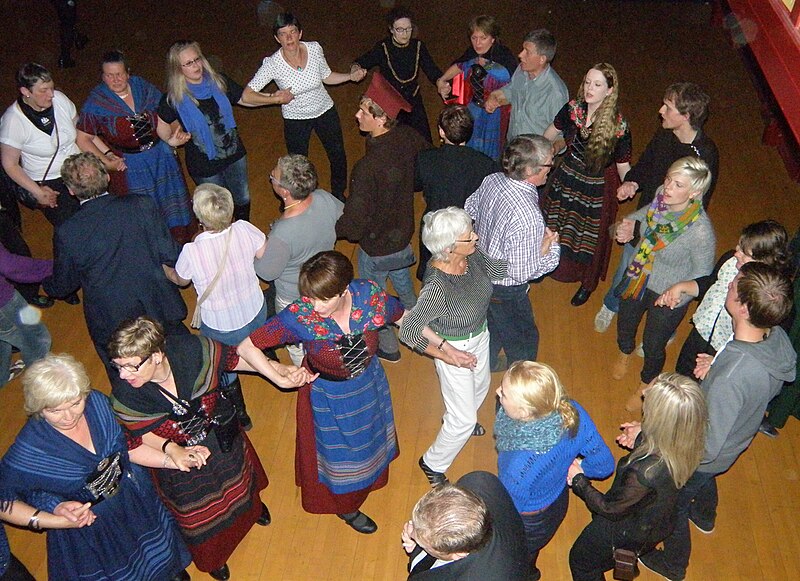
674, 425
607, 121
176, 81
537, 388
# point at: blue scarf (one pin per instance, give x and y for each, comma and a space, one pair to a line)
537, 436
196, 123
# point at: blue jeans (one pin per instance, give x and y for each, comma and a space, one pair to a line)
237, 336
511, 324
611, 300
542, 526
17, 330
698, 497
403, 286
234, 178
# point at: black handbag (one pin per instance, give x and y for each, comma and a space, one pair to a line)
226, 423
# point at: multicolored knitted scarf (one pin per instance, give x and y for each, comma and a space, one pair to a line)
662, 228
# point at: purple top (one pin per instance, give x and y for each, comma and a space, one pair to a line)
20, 269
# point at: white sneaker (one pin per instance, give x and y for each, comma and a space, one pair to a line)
640, 349
603, 318
16, 369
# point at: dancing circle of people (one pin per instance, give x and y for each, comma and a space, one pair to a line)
526, 184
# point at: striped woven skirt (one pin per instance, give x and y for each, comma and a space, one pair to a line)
216, 506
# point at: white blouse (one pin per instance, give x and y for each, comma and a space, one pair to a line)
310, 97
37, 147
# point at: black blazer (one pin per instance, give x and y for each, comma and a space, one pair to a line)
504, 558
114, 248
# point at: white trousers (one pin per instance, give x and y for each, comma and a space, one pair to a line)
463, 391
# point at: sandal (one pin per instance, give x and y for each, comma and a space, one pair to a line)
434, 478
479, 430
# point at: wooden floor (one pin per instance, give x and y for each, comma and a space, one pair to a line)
651, 44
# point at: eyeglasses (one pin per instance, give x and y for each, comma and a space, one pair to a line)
191, 63
130, 367
275, 181
403, 30
474, 238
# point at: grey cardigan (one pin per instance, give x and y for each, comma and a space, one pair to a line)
689, 256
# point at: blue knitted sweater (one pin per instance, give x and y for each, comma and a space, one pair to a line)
535, 480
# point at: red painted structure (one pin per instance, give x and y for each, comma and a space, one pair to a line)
768, 35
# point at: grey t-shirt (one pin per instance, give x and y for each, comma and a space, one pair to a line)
294, 240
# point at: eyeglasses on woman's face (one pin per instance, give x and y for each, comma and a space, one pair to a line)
191, 63
130, 367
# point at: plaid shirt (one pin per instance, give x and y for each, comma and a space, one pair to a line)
510, 225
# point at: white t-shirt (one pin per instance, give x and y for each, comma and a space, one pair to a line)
310, 97
236, 298
38, 147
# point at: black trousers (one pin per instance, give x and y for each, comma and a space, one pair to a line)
660, 325
297, 133
692, 347
592, 554
67, 11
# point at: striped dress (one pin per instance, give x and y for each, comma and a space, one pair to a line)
215, 507
152, 167
580, 204
345, 423
133, 539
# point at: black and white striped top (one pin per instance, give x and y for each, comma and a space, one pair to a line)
453, 304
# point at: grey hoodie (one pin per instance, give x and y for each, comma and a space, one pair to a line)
741, 382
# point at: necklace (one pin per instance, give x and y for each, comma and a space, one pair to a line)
289, 61
169, 374
125, 96
413, 76
292, 205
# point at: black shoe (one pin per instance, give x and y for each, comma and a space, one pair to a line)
768, 429
182, 576
221, 574
244, 421
42, 301
66, 62
434, 477
265, 517
654, 561
580, 297
390, 357
72, 299
360, 522
701, 525
479, 430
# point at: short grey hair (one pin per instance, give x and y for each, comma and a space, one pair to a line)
298, 175
53, 381
441, 229
525, 152
544, 41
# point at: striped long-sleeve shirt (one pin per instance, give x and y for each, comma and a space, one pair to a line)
453, 304
510, 225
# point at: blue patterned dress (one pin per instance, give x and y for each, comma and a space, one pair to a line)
134, 537
345, 424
